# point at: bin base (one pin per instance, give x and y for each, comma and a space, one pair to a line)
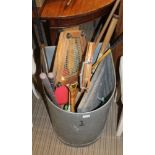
75, 145
79, 145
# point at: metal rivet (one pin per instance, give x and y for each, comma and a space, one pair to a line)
69, 35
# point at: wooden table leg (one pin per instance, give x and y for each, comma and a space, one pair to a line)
54, 36
118, 51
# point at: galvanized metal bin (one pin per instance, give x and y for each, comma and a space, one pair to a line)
81, 129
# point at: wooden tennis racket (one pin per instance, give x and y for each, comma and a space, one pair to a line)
68, 61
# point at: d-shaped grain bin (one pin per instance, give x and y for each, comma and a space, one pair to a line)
85, 126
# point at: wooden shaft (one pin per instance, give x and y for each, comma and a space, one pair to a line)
107, 23
87, 66
43, 58
42, 52
106, 41
73, 94
108, 35
100, 59
112, 46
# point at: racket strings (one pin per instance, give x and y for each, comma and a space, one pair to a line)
73, 58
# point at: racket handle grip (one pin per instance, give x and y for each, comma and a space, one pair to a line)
51, 79
73, 94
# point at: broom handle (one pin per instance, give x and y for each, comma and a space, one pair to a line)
106, 24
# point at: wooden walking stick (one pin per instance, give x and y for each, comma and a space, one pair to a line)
106, 23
